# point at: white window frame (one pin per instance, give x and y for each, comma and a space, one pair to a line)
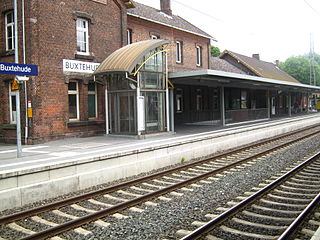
74, 92
13, 114
154, 36
129, 36
199, 105
199, 55
179, 100
9, 25
84, 31
178, 52
95, 99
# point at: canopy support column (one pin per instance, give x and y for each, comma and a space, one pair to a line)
222, 107
268, 104
289, 104
107, 110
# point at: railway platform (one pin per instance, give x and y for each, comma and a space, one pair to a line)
59, 167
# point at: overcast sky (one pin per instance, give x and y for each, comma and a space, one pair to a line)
276, 29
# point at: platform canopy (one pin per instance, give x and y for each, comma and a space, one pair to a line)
126, 58
210, 77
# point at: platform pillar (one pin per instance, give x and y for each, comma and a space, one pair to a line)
268, 104
289, 104
222, 107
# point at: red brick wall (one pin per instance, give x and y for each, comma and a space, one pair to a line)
50, 38
142, 29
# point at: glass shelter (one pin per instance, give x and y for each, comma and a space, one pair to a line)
137, 94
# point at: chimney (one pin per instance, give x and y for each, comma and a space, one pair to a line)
256, 56
165, 6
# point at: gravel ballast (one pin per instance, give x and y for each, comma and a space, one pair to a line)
162, 221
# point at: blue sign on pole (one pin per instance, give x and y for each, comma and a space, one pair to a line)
18, 69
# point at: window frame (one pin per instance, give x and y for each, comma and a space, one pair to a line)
198, 56
199, 101
83, 31
179, 100
154, 37
178, 52
13, 118
74, 92
95, 93
129, 36
9, 25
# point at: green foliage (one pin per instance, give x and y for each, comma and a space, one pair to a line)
215, 51
183, 159
299, 68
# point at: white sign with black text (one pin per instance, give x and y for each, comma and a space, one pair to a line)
79, 66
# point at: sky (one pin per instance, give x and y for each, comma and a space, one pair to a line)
275, 29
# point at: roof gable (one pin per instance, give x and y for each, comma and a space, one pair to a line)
260, 68
174, 21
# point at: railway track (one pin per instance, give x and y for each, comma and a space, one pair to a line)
42, 222
274, 212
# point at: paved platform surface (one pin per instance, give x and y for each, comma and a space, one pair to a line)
82, 148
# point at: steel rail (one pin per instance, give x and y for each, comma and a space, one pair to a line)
31, 212
122, 206
300, 219
211, 225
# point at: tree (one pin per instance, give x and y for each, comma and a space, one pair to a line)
299, 68
215, 51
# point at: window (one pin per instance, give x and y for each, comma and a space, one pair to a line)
199, 55
82, 36
179, 100
129, 36
154, 36
73, 94
12, 105
199, 100
178, 52
9, 25
92, 100
244, 99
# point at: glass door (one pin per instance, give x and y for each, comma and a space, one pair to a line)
122, 112
155, 111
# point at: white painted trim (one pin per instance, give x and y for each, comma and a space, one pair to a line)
84, 30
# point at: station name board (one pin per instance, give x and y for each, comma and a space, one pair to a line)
18, 69
79, 66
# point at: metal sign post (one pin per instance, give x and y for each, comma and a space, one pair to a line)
16, 60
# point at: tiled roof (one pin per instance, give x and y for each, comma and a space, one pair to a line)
261, 68
155, 15
219, 64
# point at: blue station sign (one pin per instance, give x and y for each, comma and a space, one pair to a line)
18, 69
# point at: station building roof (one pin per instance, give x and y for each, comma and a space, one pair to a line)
260, 68
155, 15
210, 77
220, 64
126, 58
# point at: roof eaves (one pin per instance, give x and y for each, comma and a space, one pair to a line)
169, 25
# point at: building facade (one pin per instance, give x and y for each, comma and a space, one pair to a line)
189, 47
66, 40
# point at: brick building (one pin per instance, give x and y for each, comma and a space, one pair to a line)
66, 39
190, 46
